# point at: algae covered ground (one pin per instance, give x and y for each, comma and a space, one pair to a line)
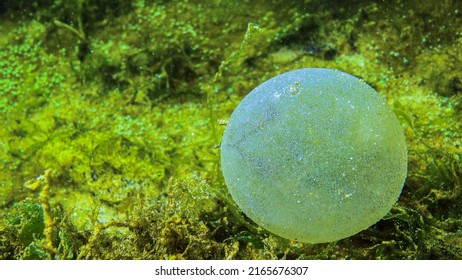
111, 115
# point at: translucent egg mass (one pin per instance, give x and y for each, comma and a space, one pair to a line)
314, 155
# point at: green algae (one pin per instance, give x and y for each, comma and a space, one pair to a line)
118, 110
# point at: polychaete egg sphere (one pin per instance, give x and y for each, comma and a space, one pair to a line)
314, 155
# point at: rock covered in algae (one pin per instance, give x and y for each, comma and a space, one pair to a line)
314, 155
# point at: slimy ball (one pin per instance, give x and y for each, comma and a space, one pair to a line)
314, 155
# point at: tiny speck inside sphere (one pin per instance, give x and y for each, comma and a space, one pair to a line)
314, 155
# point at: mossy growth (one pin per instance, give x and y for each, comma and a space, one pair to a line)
119, 102
29, 222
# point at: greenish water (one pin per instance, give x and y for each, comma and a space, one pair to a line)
112, 114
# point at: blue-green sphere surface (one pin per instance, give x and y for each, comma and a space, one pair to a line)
314, 155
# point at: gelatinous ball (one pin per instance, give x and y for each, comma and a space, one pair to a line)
314, 155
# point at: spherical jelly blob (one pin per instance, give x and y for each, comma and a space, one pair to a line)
314, 155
